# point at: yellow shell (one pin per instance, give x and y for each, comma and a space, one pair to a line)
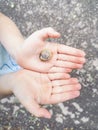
45, 55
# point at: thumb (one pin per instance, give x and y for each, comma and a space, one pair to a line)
47, 33
35, 109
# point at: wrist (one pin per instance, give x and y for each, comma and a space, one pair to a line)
5, 84
16, 51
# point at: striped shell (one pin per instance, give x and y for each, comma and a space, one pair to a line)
45, 55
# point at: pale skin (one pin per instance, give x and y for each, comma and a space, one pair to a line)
26, 52
33, 89
40, 82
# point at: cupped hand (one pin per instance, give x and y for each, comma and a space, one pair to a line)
64, 58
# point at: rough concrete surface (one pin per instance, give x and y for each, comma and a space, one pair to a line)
77, 21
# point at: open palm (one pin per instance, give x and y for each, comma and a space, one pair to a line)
64, 58
35, 88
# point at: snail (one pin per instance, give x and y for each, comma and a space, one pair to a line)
45, 55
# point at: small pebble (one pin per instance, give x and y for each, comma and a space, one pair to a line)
12, 5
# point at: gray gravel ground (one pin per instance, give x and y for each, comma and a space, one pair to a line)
77, 21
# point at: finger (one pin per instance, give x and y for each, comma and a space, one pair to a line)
59, 70
61, 97
47, 33
74, 59
70, 50
55, 76
67, 64
35, 109
64, 82
66, 88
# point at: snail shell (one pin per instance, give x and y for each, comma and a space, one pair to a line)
45, 55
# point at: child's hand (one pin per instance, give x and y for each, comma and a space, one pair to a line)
26, 52
63, 59
32, 89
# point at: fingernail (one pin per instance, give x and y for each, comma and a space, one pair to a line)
79, 86
77, 93
80, 66
57, 33
84, 60
48, 116
83, 53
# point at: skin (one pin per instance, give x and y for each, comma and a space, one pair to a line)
26, 52
40, 82
39, 89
